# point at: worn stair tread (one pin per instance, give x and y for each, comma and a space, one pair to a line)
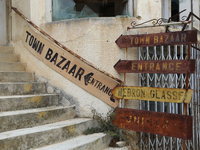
42, 128
74, 143
22, 83
19, 96
27, 111
21, 102
16, 76
12, 66
16, 72
15, 83
22, 88
12, 63
6, 49
34, 82
119, 148
6, 57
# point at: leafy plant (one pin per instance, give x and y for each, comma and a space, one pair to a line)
106, 125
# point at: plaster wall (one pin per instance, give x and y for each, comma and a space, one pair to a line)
91, 38
147, 9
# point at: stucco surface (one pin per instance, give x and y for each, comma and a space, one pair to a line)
147, 9
17, 22
91, 38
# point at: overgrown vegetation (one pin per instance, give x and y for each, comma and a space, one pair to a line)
106, 125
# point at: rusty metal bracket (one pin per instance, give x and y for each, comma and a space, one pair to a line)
156, 24
170, 18
63, 47
190, 14
153, 21
159, 22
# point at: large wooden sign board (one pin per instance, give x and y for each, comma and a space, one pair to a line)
173, 125
170, 38
155, 66
80, 73
153, 94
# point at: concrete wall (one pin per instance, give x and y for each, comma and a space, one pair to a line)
147, 9
91, 38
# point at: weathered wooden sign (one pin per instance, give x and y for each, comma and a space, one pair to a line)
77, 71
153, 94
170, 38
173, 125
155, 66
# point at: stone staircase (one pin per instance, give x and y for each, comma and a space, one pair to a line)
32, 119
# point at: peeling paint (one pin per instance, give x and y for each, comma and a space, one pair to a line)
71, 130
28, 87
41, 115
35, 99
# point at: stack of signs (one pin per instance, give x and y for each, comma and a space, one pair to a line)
154, 122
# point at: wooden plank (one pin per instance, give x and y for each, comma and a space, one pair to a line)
69, 66
173, 125
153, 94
155, 66
170, 38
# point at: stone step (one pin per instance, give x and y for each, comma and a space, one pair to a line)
21, 88
17, 76
12, 66
12, 120
21, 102
6, 57
39, 136
95, 141
6, 49
121, 148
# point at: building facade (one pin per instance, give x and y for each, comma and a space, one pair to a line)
90, 28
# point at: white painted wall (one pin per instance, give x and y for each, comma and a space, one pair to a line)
185, 4
91, 38
2, 22
147, 9
196, 5
166, 9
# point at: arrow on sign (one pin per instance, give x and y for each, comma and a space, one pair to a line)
170, 38
87, 78
153, 94
155, 66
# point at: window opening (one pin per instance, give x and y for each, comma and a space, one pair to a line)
175, 9
72, 9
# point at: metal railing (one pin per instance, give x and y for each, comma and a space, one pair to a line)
156, 142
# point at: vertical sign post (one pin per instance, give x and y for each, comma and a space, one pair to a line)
186, 88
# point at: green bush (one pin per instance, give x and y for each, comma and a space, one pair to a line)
106, 125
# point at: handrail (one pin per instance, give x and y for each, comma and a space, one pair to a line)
63, 47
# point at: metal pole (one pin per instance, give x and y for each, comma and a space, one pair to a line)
122, 101
126, 54
186, 88
192, 15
